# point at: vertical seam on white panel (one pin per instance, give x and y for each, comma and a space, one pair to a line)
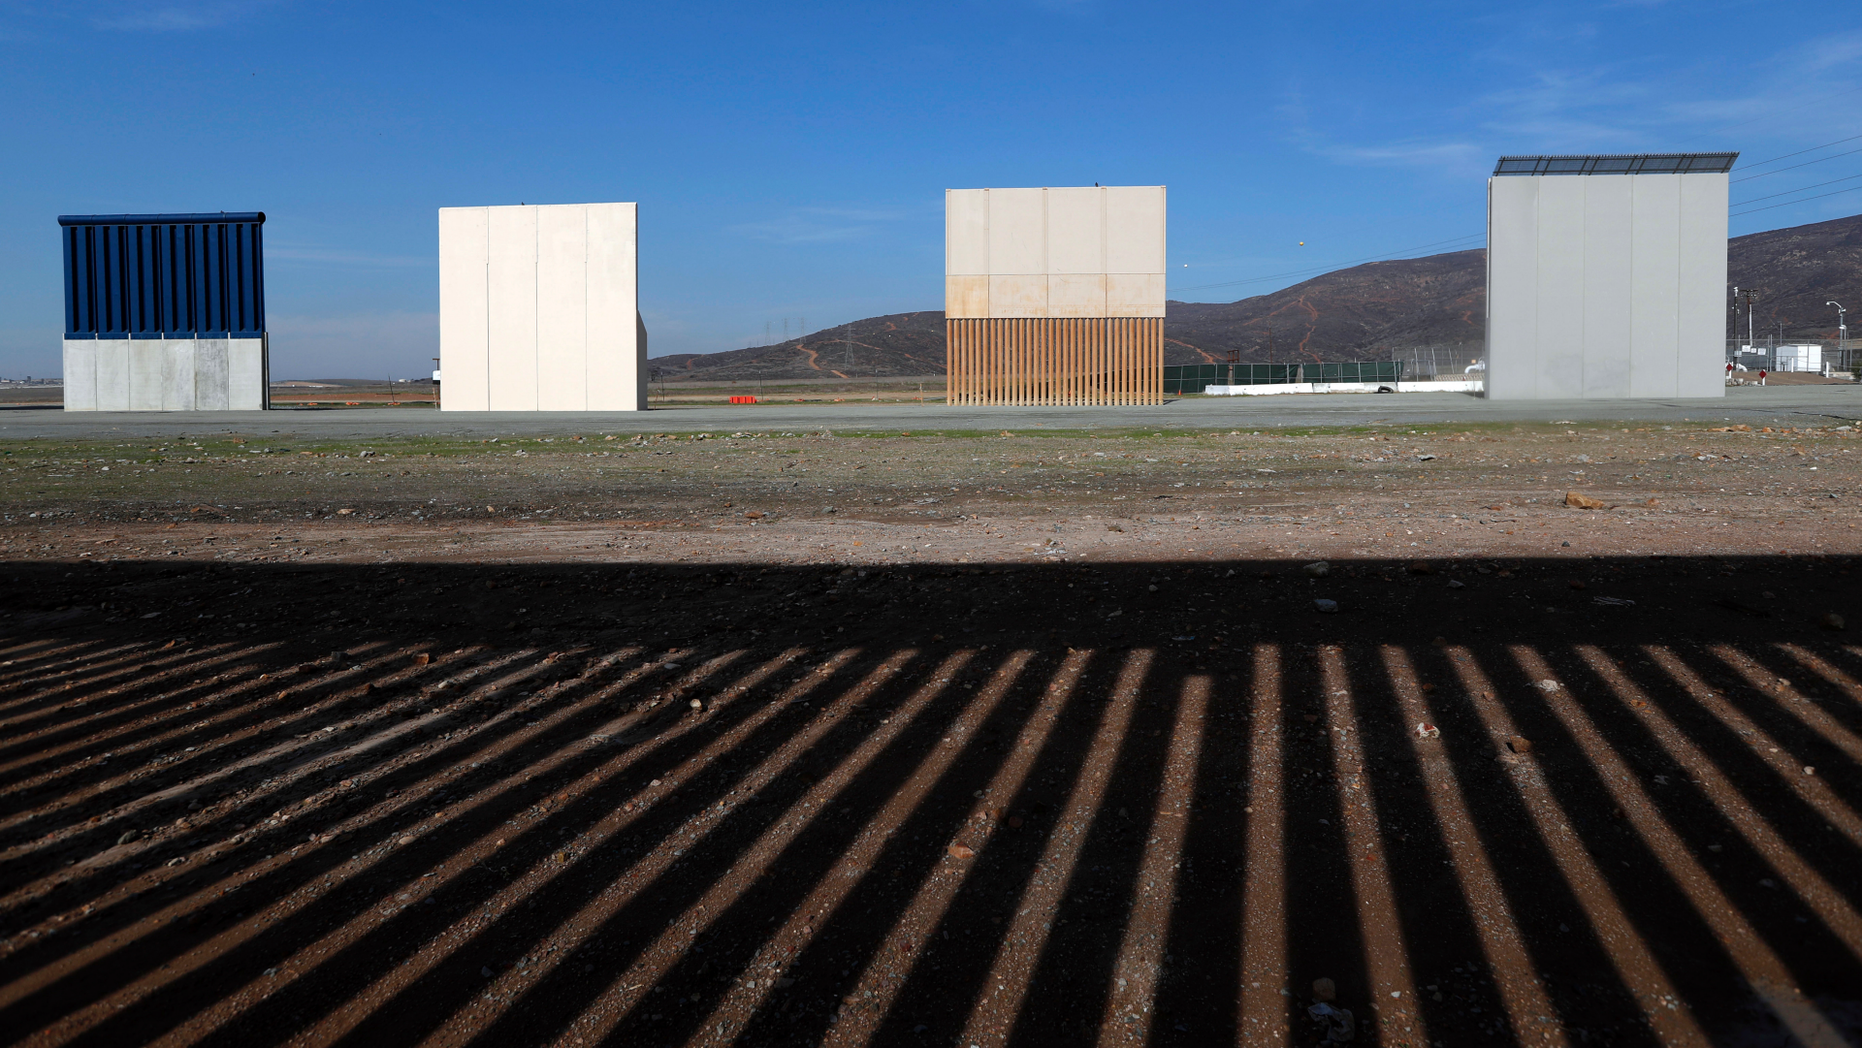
989, 256
536, 309
486, 268
1680, 280
1584, 286
587, 347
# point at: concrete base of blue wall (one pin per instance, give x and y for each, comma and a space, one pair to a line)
167, 374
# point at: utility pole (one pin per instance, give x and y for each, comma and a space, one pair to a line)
1842, 332
1752, 295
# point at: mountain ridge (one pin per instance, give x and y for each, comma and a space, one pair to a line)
1367, 311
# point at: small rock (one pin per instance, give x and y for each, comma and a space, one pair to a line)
1114, 527
1547, 686
961, 851
1519, 745
1577, 584
697, 704
422, 659
753, 515
1324, 990
484, 973
1426, 730
1457, 584
128, 835
1421, 567
407, 840
1325, 607
1832, 621
1579, 500
1318, 569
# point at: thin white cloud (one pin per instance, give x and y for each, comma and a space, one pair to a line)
1418, 154
806, 225
1831, 52
134, 16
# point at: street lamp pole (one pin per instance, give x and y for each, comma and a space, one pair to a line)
1842, 330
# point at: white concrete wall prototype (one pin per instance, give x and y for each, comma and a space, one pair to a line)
539, 309
166, 374
1605, 287
1096, 251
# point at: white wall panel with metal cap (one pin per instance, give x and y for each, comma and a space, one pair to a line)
1655, 317
1609, 286
1512, 288
1605, 276
1702, 293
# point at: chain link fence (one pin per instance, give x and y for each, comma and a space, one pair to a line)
1808, 355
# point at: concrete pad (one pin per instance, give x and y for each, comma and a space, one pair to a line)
1076, 295
1018, 296
112, 374
178, 374
966, 232
148, 366
80, 374
966, 297
211, 361
248, 372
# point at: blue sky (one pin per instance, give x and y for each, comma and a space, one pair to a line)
789, 159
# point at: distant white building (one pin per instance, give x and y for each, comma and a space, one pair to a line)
1606, 276
1808, 357
539, 309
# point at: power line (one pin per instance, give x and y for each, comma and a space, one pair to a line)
1788, 203
1801, 152
1792, 109
1788, 192
1328, 267
1794, 167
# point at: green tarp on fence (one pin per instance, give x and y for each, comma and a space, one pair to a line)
1193, 378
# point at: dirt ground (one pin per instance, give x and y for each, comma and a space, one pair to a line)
934, 738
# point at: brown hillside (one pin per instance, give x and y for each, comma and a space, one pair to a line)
1363, 312
1796, 271
888, 346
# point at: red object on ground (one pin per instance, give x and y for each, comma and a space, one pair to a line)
743, 400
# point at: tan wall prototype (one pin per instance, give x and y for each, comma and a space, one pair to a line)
1055, 296
539, 309
1096, 251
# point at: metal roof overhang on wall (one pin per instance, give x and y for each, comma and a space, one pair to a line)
164, 276
1619, 164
